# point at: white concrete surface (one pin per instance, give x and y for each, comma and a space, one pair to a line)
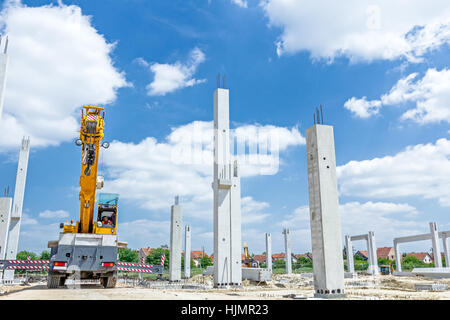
227, 199
326, 236
269, 251
287, 250
187, 252
176, 222
16, 212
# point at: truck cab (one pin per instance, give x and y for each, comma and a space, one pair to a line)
106, 222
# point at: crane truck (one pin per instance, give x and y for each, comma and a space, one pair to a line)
88, 248
249, 262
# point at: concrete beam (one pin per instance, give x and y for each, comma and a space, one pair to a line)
287, 246
350, 259
187, 252
325, 223
269, 251
372, 249
5, 213
227, 199
3, 72
176, 221
436, 247
16, 213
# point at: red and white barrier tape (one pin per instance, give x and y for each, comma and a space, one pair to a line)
134, 269
134, 264
28, 267
28, 261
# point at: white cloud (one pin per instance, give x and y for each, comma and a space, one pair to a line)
386, 219
171, 77
151, 173
418, 171
363, 108
359, 29
253, 211
58, 62
430, 96
240, 3
53, 214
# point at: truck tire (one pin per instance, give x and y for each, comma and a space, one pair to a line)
109, 282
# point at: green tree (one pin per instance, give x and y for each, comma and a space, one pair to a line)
182, 262
23, 255
45, 255
206, 261
128, 255
155, 256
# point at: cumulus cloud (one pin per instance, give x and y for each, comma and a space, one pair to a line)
360, 30
53, 214
240, 3
430, 97
151, 172
58, 62
418, 171
384, 218
253, 211
171, 77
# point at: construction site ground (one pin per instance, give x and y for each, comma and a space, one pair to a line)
282, 286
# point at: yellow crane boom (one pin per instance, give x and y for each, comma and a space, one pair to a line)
91, 134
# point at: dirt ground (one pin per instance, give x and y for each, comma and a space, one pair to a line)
294, 286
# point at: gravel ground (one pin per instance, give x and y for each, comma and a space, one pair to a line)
281, 287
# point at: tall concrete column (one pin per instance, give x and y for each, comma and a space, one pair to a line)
349, 250
269, 251
5, 213
176, 221
446, 252
3, 71
187, 252
287, 246
372, 250
326, 236
436, 247
398, 257
16, 213
227, 199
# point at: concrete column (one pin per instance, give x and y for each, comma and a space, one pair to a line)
436, 247
176, 221
349, 249
398, 257
372, 250
446, 252
227, 204
5, 212
16, 213
235, 227
187, 252
269, 251
287, 246
3, 71
326, 236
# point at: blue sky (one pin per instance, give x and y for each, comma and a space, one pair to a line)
380, 74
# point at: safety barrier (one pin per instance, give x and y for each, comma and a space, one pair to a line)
45, 265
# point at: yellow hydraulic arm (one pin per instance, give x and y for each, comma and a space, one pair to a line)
91, 134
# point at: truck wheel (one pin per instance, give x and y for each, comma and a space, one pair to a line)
109, 282
53, 281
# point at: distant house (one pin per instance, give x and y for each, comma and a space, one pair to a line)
278, 256
304, 255
432, 256
386, 253
143, 253
422, 256
261, 258
363, 254
197, 257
